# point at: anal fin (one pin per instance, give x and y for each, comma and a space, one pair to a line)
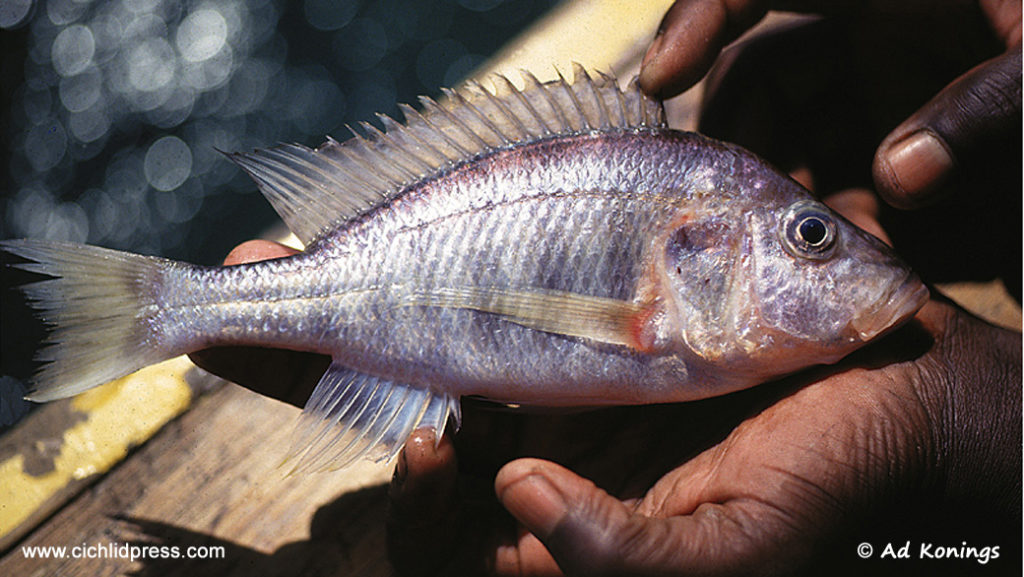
352, 415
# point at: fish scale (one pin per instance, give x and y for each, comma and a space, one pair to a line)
554, 245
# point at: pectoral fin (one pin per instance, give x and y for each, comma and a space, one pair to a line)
599, 319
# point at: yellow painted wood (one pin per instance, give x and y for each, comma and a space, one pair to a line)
606, 35
114, 418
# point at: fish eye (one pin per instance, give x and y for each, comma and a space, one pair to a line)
808, 230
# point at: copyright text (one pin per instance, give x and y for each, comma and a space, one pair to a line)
908, 550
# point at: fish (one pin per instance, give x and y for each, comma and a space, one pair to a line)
550, 245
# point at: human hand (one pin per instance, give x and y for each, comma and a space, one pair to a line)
940, 148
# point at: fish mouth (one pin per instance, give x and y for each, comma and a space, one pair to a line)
893, 311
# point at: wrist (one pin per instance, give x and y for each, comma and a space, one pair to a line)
975, 406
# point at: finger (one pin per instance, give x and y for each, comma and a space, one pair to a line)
975, 115
558, 507
257, 250
526, 556
689, 39
422, 511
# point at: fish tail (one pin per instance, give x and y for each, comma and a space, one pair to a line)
102, 307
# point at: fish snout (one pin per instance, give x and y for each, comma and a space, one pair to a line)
892, 310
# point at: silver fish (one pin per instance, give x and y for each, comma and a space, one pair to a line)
555, 245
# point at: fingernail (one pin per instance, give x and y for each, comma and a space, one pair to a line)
401, 470
536, 503
920, 164
652, 51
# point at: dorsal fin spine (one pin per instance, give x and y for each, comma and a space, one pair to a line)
374, 138
427, 102
411, 118
468, 106
397, 131
620, 99
604, 116
357, 178
501, 136
434, 158
575, 102
545, 129
366, 156
533, 83
371, 170
642, 116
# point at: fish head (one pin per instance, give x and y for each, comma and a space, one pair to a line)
777, 282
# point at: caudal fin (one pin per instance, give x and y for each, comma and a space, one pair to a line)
101, 306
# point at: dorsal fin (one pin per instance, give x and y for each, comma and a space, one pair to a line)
314, 190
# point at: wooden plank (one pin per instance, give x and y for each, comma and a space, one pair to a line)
988, 300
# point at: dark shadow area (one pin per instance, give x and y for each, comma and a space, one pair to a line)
287, 376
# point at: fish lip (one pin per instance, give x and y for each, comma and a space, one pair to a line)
902, 304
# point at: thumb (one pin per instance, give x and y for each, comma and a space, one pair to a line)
582, 526
589, 532
977, 114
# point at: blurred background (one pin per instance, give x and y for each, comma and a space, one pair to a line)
112, 112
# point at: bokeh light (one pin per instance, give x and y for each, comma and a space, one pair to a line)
14, 12
73, 50
168, 163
